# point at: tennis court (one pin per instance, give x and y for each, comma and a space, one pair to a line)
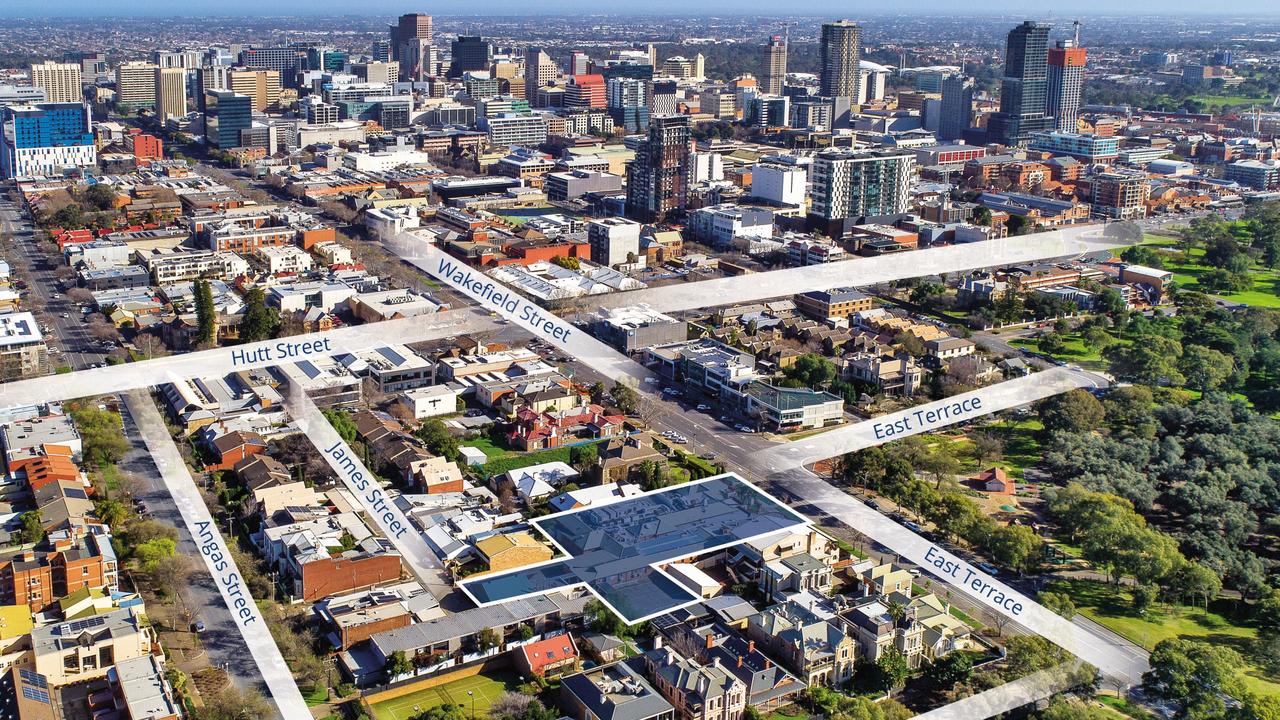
484, 688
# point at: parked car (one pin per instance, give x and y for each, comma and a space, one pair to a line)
198, 626
703, 407
989, 569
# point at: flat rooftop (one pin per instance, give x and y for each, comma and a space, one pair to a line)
615, 549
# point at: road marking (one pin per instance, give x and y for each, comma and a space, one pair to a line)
213, 550
220, 361
922, 418
414, 552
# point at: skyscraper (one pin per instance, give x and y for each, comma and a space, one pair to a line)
61, 81
381, 50
579, 63
409, 28
658, 178
136, 85
45, 139
263, 86
1024, 88
171, 92
538, 71
1066, 83
957, 107
840, 47
225, 115
470, 53
775, 65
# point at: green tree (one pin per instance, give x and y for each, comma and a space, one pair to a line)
583, 456
1058, 602
111, 511
597, 391
1151, 360
398, 664
1198, 676
260, 322
811, 370
1205, 369
1074, 710
101, 434
151, 552
447, 711
436, 436
603, 619
1143, 255
342, 424
570, 263
1198, 582
32, 527
489, 639
624, 397
100, 196
1073, 411
956, 667
206, 314
1016, 547
893, 670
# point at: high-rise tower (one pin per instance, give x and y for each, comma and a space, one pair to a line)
1024, 87
1065, 84
840, 49
775, 65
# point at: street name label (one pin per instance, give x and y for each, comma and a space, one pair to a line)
914, 421
281, 351
503, 301
958, 571
232, 585
343, 461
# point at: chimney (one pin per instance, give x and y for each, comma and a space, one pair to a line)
751, 646
657, 642
768, 663
711, 641
739, 661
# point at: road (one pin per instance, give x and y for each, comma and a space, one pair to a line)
69, 341
221, 638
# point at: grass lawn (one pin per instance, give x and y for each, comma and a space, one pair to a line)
1225, 101
1074, 351
1123, 707
1021, 448
516, 460
1097, 602
788, 712
318, 694
485, 689
489, 447
1266, 283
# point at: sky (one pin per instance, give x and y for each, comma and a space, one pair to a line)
45, 8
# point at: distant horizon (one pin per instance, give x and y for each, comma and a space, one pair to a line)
70, 9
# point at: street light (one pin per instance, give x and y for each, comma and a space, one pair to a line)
472, 695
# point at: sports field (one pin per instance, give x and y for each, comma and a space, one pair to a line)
485, 689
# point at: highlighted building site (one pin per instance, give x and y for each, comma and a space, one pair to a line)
616, 550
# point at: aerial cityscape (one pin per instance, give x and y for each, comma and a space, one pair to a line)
720, 362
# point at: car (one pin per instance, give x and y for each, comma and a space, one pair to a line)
473, 413
874, 505
989, 569
198, 626
911, 526
724, 419
739, 427
651, 381
680, 439
703, 407
707, 456
65, 315
915, 572
748, 429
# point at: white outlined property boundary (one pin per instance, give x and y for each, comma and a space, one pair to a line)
801, 521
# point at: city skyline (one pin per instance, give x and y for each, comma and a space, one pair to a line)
245, 8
